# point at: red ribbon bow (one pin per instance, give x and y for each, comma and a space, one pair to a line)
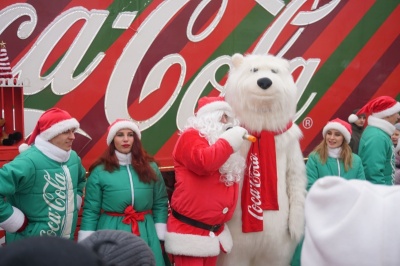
131, 216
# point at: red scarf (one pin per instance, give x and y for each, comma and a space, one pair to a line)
260, 191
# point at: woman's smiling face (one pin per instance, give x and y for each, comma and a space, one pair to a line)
333, 138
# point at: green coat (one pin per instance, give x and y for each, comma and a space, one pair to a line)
315, 169
111, 192
376, 152
44, 190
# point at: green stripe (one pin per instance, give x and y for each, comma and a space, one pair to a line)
346, 52
239, 41
102, 42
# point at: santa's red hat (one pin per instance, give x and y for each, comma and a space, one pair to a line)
121, 124
211, 104
380, 107
341, 126
50, 124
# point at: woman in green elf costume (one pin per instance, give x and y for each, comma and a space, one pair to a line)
126, 191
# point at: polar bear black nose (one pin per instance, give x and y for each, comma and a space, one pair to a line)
264, 83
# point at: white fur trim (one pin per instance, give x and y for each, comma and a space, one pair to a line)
23, 147
352, 118
161, 229
342, 129
78, 202
59, 128
84, 234
225, 239
14, 222
388, 112
214, 106
191, 245
120, 125
381, 124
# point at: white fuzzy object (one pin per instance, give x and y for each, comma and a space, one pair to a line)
270, 108
351, 222
14, 222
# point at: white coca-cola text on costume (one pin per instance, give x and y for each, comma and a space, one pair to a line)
56, 202
62, 80
255, 209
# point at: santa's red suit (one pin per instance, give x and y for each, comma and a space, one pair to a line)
200, 195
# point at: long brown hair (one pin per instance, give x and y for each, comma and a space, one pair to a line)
140, 161
346, 154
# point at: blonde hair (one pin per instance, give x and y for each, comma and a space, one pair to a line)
346, 154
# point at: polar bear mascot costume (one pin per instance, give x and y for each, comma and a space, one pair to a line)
268, 221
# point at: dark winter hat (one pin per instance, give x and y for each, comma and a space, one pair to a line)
120, 248
47, 251
354, 117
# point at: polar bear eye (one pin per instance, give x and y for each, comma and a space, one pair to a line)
275, 71
254, 70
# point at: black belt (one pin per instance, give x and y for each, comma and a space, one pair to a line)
190, 221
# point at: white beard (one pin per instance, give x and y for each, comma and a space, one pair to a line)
210, 128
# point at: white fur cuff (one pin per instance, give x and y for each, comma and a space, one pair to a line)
78, 202
191, 245
161, 229
83, 234
14, 222
225, 239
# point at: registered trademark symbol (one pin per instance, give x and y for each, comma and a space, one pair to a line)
307, 123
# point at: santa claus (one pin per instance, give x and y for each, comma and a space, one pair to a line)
208, 168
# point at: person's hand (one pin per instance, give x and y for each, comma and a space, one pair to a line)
234, 136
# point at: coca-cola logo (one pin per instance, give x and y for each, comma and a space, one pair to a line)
255, 209
54, 194
62, 78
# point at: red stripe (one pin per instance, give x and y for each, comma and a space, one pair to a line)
391, 85
67, 39
212, 42
310, 33
334, 33
352, 76
190, 50
96, 84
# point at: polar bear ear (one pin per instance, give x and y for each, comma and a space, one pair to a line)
237, 60
285, 63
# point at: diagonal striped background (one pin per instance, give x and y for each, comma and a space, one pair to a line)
357, 43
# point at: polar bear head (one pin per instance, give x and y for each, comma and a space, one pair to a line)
261, 91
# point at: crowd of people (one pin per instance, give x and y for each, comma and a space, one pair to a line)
126, 208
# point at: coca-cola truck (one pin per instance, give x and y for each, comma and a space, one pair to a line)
151, 60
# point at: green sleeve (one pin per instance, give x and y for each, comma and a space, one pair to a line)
312, 170
81, 179
160, 199
92, 205
18, 175
374, 159
360, 168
